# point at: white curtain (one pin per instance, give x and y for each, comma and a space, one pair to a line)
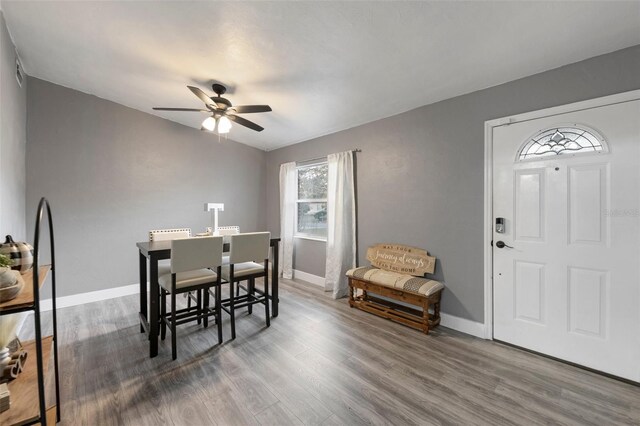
341, 222
287, 219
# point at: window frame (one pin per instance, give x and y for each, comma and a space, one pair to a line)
303, 235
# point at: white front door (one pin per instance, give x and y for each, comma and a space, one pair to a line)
569, 284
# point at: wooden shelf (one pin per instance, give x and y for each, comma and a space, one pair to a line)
24, 389
51, 415
25, 298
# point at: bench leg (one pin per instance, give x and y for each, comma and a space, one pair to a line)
425, 317
352, 293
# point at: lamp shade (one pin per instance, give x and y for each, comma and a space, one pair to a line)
209, 123
224, 125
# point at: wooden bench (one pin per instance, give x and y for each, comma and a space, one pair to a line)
397, 272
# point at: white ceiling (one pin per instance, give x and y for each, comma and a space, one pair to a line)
322, 66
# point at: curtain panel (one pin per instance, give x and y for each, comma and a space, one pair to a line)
341, 223
287, 219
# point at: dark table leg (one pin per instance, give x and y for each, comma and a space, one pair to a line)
154, 307
274, 279
143, 290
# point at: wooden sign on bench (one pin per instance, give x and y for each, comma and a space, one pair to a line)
402, 259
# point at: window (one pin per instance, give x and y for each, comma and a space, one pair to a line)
560, 141
311, 217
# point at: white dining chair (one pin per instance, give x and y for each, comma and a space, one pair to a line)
164, 265
165, 235
226, 232
193, 261
169, 234
247, 250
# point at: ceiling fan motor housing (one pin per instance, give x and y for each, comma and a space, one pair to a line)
219, 100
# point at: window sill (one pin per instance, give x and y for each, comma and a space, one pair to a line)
308, 237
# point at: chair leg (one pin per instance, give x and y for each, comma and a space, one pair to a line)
219, 311
199, 306
189, 301
205, 308
174, 350
158, 300
266, 300
251, 291
163, 314
232, 309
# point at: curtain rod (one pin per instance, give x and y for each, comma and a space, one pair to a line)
308, 160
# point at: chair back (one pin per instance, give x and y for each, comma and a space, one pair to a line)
252, 246
169, 234
228, 230
188, 254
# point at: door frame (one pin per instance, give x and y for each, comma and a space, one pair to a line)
489, 125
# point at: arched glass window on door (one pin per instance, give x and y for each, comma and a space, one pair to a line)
562, 140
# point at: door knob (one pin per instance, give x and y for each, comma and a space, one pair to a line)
501, 244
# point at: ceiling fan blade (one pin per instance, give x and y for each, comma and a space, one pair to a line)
248, 109
203, 96
181, 109
246, 123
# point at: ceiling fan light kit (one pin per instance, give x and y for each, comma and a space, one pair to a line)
209, 124
222, 110
224, 125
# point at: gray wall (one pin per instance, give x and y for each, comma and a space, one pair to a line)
13, 139
420, 173
113, 173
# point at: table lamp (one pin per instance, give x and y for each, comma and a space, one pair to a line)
214, 208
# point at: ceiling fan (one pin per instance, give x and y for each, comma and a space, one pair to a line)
222, 111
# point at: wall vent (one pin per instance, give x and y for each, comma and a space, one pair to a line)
19, 72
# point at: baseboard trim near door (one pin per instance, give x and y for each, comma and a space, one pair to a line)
310, 278
463, 325
90, 297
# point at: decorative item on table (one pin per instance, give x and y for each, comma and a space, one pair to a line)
20, 252
6, 273
11, 284
12, 354
11, 281
5, 397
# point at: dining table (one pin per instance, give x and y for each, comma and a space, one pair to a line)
153, 251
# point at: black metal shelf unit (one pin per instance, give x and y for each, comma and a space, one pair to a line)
35, 307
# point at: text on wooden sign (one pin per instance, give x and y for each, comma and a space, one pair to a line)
402, 259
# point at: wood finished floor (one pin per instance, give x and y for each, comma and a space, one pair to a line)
320, 362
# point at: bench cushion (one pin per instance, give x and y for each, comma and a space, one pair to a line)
423, 286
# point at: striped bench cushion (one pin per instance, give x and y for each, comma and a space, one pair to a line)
423, 286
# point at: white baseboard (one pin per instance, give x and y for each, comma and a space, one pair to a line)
97, 296
89, 297
450, 321
463, 325
310, 278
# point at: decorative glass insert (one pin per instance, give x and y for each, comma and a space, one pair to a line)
560, 141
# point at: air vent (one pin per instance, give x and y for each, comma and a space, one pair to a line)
19, 75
